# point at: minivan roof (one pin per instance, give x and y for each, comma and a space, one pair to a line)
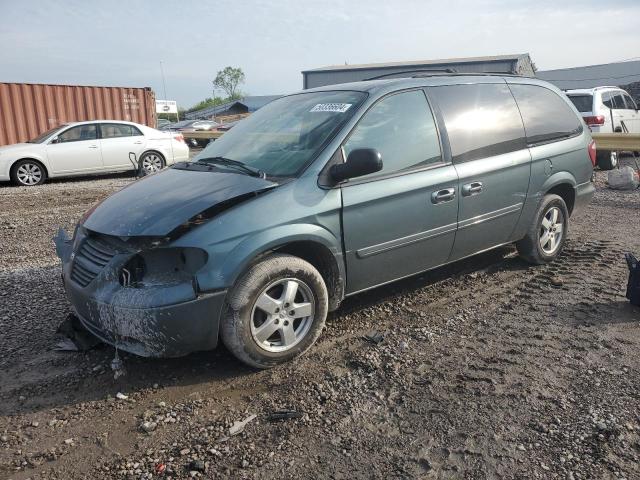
590, 91
391, 84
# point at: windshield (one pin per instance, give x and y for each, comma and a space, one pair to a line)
583, 103
284, 136
43, 136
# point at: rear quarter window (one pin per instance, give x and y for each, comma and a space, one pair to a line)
482, 120
547, 117
583, 103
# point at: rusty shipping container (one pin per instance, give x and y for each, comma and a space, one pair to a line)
28, 109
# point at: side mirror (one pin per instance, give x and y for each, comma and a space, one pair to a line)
55, 140
361, 161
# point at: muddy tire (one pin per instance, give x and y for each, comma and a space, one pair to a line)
607, 160
548, 232
28, 173
275, 312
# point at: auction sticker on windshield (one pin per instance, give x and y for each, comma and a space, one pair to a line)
331, 107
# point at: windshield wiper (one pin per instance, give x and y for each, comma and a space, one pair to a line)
233, 163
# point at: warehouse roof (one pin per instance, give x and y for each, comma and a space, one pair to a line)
619, 73
444, 61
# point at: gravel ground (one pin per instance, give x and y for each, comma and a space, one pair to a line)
489, 368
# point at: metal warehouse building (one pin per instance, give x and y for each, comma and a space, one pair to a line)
514, 64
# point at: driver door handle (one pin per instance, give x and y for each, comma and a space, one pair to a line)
93, 146
472, 188
442, 196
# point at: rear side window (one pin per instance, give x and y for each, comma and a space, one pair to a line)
116, 130
482, 120
547, 117
613, 100
631, 105
583, 103
401, 127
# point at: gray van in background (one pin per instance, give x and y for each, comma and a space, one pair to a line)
321, 195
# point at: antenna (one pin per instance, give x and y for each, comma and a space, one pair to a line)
164, 87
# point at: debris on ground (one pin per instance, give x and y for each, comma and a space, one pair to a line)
238, 426
374, 337
197, 465
283, 415
76, 337
633, 284
117, 366
623, 178
148, 426
121, 396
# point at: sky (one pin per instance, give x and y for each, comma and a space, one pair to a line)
121, 43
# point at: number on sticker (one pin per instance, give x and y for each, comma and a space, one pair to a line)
331, 107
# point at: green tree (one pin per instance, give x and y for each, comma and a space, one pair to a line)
229, 80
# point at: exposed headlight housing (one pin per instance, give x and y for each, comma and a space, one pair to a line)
162, 266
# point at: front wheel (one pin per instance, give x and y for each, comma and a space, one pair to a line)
275, 312
547, 234
28, 173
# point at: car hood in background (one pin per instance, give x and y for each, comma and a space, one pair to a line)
17, 147
158, 204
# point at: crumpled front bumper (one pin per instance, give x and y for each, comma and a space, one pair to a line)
153, 321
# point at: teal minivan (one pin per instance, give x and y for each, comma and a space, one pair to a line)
321, 195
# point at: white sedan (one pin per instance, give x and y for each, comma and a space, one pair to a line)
95, 147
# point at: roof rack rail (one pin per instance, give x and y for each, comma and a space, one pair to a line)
444, 72
432, 70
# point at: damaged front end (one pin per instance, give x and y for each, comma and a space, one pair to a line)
140, 294
129, 279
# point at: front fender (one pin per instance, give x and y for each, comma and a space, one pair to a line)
238, 259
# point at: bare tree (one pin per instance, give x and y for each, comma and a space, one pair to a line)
229, 80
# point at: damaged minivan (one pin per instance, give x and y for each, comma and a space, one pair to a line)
321, 195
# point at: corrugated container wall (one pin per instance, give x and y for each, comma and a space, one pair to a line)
28, 109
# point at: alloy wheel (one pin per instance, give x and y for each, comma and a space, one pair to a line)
282, 315
551, 230
151, 163
29, 174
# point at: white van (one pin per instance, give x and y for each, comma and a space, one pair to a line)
607, 110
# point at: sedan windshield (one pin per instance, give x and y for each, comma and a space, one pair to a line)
43, 136
284, 136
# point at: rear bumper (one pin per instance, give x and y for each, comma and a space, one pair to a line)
584, 194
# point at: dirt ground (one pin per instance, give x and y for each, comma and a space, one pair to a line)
489, 368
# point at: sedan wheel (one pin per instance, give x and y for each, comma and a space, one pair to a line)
151, 163
28, 173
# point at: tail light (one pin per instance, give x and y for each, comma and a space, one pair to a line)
594, 120
179, 138
592, 152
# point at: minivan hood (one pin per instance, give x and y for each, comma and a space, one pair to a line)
158, 204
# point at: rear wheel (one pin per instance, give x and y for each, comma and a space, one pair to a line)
275, 312
151, 162
28, 173
607, 160
547, 234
